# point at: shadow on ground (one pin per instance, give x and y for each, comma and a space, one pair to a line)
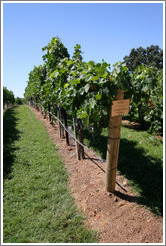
143, 171
10, 134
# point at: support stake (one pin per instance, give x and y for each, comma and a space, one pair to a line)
113, 147
77, 144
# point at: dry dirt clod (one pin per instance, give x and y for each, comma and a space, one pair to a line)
69, 148
115, 199
95, 212
125, 183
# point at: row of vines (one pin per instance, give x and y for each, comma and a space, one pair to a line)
85, 90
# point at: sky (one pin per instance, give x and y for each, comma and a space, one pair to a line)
104, 30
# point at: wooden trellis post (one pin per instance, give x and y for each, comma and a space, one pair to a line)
58, 116
77, 144
118, 108
49, 110
66, 125
80, 131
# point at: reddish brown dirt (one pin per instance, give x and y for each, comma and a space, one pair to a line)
130, 124
118, 217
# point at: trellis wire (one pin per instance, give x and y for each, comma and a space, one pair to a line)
101, 160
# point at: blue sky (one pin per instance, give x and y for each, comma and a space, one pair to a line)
104, 30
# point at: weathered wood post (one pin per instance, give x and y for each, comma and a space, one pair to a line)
62, 120
49, 110
113, 144
59, 124
44, 114
80, 131
66, 125
75, 134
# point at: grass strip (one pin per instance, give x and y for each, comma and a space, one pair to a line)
37, 205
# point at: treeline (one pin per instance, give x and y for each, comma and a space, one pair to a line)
86, 89
9, 99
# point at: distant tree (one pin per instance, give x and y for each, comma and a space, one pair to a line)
151, 56
19, 100
8, 97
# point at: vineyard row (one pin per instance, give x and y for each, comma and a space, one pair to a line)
65, 128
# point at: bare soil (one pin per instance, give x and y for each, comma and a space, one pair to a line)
118, 217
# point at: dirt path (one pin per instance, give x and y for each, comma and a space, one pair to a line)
117, 217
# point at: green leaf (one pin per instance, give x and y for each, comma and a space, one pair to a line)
95, 78
87, 87
82, 76
66, 85
98, 97
92, 103
75, 81
82, 90
83, 115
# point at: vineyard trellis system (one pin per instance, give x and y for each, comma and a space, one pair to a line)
87, 90
113, 139
66, 129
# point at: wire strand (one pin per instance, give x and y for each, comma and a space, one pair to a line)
100, 159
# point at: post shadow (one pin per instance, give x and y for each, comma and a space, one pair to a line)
10, 134
143, 170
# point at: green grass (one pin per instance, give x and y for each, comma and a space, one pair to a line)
140, 161
37, 205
